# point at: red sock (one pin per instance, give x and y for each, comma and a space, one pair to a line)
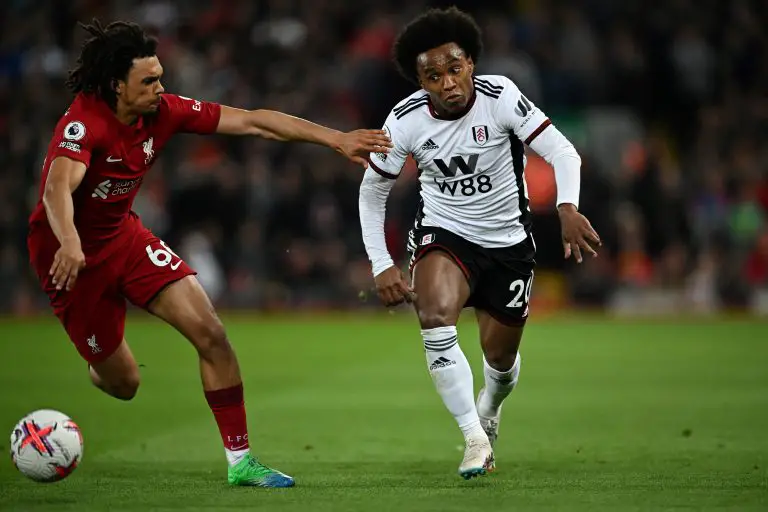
229, 410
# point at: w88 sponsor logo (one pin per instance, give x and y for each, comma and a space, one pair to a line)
468, 186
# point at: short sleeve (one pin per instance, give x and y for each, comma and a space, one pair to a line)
390, 164
188, 115
74, 137
519, 115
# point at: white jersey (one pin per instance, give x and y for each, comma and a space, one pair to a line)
470, 166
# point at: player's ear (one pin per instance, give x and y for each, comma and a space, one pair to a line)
116, 86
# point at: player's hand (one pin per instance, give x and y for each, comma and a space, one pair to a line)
392, 287
358, 144
68, 261
578, 233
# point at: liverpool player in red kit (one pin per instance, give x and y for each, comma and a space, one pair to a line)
92, 253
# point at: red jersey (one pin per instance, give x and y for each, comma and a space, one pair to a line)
117, 156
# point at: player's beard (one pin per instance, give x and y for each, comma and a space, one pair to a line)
456, 105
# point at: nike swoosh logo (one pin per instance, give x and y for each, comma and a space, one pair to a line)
174, 267
110, 159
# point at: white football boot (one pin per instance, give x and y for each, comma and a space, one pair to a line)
478, 458
489, 424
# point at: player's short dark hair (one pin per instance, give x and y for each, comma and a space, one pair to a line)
107, 56
434, 28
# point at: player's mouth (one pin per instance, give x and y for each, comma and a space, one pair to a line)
455, 102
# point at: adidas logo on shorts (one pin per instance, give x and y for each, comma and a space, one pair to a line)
441, 362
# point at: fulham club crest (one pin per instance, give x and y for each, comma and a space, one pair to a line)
480, 134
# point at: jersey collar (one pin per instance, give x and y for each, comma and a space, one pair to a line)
110, 114
457, 115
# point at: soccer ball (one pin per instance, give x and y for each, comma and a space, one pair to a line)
46, 445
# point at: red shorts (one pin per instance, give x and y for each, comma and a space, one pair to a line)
93, 312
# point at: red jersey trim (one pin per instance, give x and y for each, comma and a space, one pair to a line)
537, 132
382, 173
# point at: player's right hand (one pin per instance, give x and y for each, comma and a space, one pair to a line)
68, 261
392, 287
357, 145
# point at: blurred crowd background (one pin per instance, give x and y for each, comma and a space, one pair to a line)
665, 101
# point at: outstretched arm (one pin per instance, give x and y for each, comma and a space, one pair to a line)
269, 124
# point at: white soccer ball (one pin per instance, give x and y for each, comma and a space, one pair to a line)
46, 445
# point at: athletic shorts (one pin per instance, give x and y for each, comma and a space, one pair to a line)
93, 312
500, 279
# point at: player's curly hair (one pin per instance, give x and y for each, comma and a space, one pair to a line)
107, 56
434, 28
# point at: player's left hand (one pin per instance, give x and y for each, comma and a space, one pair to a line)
577, 232
358, 144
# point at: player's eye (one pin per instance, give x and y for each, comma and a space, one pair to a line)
456, 70
434, 78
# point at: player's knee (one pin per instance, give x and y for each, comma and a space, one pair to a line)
440, 316
125, 388
212, 338
500, 360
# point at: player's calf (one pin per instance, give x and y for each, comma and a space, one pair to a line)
446, 362
185, 305
501, 367
498, 385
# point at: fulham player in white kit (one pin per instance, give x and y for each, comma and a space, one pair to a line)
471, 244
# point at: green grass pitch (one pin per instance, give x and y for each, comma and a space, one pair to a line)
609, 415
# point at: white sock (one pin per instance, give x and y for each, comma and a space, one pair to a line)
235, 456
497, 386
452, 376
